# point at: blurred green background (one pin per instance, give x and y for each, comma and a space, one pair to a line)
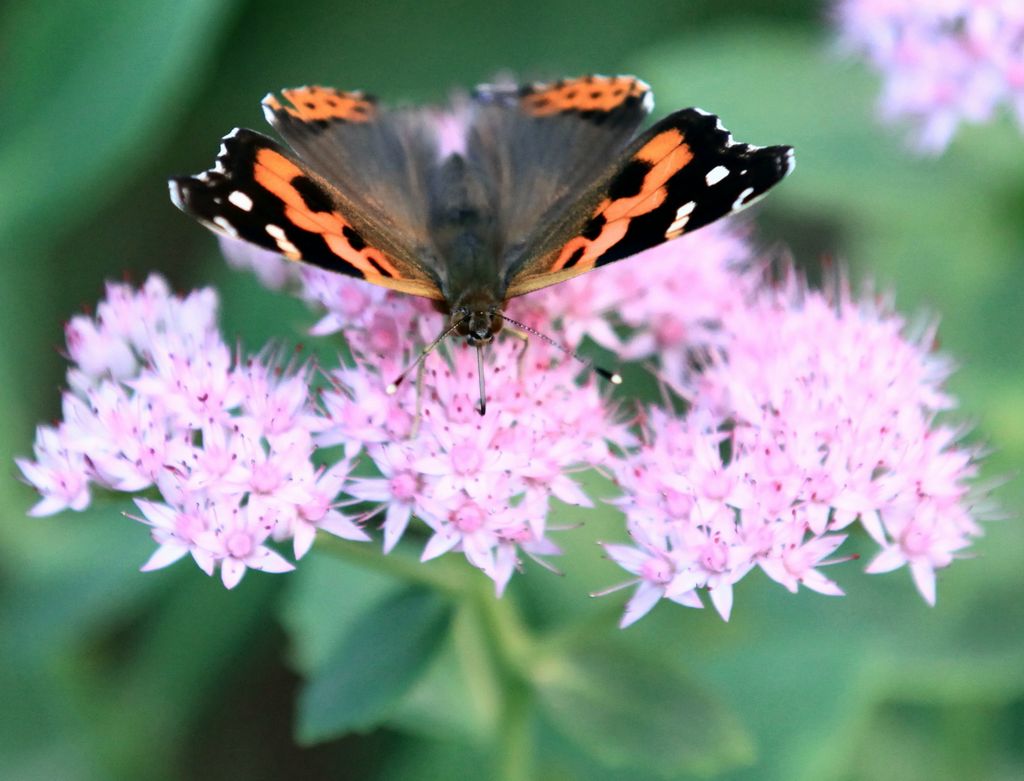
108, 673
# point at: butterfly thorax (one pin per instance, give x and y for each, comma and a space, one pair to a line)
464, 229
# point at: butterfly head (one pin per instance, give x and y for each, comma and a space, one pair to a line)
478, 325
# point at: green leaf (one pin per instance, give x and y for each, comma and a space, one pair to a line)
74, 574
326, 599
459, 696
635, 711
185, 656
375, 664
96, 84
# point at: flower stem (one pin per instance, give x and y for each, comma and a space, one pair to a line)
511, 643
515, 749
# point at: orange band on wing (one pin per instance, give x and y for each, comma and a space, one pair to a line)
659, 146
666, 154
276, 173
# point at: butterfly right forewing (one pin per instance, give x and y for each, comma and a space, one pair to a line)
683, 173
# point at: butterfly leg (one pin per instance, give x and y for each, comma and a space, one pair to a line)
525, 339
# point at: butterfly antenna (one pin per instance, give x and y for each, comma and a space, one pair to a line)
482, 409
392, 389
613, 377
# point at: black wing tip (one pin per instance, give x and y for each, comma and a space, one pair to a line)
707, 130
775, 162
197, 194
786, 156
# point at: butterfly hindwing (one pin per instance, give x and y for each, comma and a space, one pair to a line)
261, 193
680, 175
539, 146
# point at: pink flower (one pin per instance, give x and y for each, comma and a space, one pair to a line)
943, 63
234, 539
395, 490
317, 509
59, 473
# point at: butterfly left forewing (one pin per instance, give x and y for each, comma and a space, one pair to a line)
683, 173
261, 193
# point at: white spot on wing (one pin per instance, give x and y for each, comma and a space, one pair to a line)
176, 198
743, 200
241, 200
288, 249
686, 209
225, 226
716, 174
268, 113
682, 217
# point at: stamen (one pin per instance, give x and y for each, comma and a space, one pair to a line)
617, 587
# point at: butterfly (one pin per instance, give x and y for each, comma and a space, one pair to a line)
535, 184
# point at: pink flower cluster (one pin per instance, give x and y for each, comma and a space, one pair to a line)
810, 414
158, 404
804, 415
482, 484
156, 401
943, 62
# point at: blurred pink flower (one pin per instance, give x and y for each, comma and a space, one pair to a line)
943, 63
673, 308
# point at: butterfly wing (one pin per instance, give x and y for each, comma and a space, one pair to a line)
361, 212
538, 146
683, 173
